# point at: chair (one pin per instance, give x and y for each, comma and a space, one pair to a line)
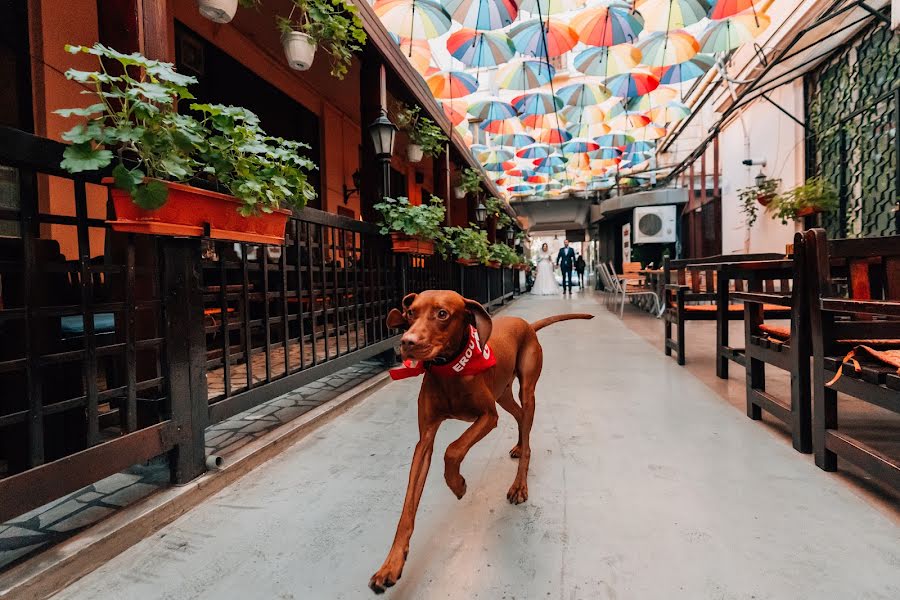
854, 306
620, 287
783, 348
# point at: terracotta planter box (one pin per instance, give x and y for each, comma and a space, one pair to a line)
809, 210
404, 244
494, 264
468, 262
188, 210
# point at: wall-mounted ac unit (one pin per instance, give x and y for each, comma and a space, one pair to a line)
654, 224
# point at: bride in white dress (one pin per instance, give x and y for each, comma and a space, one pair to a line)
545, 280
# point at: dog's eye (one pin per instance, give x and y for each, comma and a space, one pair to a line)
443, 314
410, 314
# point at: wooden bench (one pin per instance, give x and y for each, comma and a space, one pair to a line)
685, 289
854, 299
782, 347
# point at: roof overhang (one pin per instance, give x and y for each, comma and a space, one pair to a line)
553, 214
659, 197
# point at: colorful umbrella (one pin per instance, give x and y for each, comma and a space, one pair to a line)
554, 160
477, 149
520, 189
669, 112
516, 140
661, 49
537, 103
591, 130
495, 155
455, 111
417, 51
550, 7
553, 136
605, 154
543, 38
614, 140
659, 96
603, 62
666, 15
541, 121
580, 145
525, 74
520, 172
633, 84
549, 169
650, 132
452, 84
629, 120
499, 166
583, 115
641, 146
607, 25
491, 110
722, 9
533, 151
417, 19
728, 34
482, 15
480, 48
583, 94
687, 70
502, 127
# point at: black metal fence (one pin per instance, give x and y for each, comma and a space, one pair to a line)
116, 348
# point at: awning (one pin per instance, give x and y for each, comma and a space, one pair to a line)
659, 197
811, 45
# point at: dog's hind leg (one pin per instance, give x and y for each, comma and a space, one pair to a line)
510, 405
528, 369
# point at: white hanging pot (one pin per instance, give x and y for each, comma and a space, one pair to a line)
218, 11
299, 50
460, 192
414, 152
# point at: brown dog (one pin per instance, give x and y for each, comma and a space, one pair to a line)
438, 338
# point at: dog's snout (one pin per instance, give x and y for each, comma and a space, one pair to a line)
409, 341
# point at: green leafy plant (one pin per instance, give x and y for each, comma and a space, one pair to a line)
334, 25
494, 207
505, 255
135, 123
423, 220
750, 198
421, 130
504, 220
816, 195
470, 180
467, 243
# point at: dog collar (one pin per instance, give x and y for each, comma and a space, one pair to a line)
471, 361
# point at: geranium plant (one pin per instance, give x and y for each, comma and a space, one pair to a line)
422, 221
470, 180
334, 25
504, 255
467, 243
421, 130
815, 195
136, 125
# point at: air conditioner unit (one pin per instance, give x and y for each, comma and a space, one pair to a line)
654, 224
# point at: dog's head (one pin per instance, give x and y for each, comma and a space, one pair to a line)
437, 323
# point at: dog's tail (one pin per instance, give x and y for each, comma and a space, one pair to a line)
538, 325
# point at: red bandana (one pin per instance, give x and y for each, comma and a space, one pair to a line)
471, 361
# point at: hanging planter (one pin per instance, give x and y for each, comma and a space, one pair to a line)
414, 152
459, 192
218, 11
413, 228
189, 210
299, 49
764, 199
410, 244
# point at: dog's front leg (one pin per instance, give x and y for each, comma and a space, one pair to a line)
457, 451
392, 568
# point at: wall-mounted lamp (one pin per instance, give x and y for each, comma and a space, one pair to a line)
760, 179
481, 213
355, 189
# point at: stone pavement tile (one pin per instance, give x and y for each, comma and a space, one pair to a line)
115, 482
83, 518
59, 512
133, 492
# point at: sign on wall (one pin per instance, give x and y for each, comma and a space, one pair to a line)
626, 243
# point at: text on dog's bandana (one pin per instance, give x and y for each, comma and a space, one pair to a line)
471, 361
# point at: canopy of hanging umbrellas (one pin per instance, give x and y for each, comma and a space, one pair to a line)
560, 96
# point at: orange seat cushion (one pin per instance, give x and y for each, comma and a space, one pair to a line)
780, 333
732, 307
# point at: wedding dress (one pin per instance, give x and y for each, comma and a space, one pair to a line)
545, 281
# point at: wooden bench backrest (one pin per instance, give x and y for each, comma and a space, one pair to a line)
704, 283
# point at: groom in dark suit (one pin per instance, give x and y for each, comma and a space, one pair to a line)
566, 261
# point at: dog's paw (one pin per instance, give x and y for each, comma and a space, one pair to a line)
516, 452
457, 485
386, 577
518, 493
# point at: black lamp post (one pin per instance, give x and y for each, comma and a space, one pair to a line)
383, 132
481, 212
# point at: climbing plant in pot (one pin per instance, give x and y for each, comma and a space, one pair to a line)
503, 254
170, 169
332, 24
468, 244
816, 195
470, 181
413, 228
425, 137
750, 198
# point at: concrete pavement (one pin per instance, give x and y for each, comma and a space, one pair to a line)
644, 485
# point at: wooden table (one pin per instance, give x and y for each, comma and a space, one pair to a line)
652, 278
726, 272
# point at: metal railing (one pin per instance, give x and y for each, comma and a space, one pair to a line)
116, 348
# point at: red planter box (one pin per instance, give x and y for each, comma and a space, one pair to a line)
404, 244
468, 262
189, 209
494, 264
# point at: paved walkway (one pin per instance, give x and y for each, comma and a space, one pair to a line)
644, 485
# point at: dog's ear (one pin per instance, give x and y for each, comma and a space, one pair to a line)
396, 320
483, 322
408, 300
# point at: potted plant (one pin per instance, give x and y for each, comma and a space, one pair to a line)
468, 244
157, 152
469, 181
815, 196
218, 11
413, 228
332, 24
501, 254
425, 137
751, 197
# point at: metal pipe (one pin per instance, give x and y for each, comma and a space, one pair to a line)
214, 462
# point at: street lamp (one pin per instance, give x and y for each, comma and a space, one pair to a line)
510, 233
760, 179
383, 132
481, 212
